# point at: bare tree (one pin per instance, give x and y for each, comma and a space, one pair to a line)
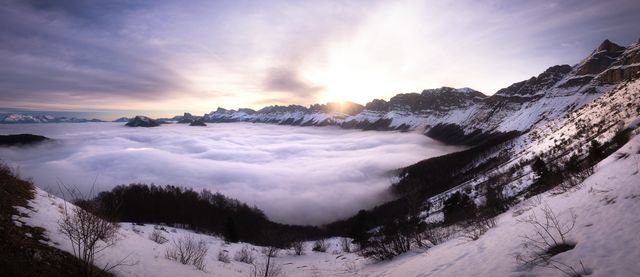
267, 267
188, 250
88, 234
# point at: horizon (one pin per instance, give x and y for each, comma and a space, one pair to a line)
166, 56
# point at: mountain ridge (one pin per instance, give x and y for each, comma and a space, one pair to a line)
471, 114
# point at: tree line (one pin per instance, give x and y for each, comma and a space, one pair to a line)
201, 211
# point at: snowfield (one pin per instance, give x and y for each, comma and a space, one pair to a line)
605, 234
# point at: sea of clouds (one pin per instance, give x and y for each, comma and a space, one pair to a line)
301, 175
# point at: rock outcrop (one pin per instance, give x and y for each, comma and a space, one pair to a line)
142, 121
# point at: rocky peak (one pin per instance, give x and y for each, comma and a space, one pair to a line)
530, 87
349, 108
467, 93
440, 99
609, 46
379, 105
625, 67
198, 122
142, 121
600, 59
282, 109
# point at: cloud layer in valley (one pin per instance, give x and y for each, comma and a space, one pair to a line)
298, 175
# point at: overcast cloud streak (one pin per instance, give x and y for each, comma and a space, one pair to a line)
295, 174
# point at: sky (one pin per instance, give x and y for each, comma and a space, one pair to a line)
169, 56
295, 175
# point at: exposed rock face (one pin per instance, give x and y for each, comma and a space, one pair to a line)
378, 105
142, 121
347, 108
525, 90
186, 118
198, 122
626, 67
600, 59
441, 99
122, 119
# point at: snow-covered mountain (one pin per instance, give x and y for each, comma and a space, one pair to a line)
25, 118
465, 112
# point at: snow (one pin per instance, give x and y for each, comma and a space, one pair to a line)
605, 232
147, 258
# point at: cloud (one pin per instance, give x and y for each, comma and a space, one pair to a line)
289, 85
170, 55
304, 175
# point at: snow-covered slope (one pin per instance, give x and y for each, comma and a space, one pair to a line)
144, 257
605, 231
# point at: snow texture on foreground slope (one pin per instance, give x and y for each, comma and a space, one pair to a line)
605, 233
606, 206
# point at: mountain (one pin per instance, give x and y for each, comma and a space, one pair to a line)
198, 122
25, 118
466, 116
122, 119
142, 121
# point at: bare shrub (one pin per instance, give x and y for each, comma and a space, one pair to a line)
345, 245
438, 234
386, 245
298, 247
157, 237
267, 267
320, 246
397, 237
245, 256
223, 256
475, 228
549, 238
88, 234
188, 250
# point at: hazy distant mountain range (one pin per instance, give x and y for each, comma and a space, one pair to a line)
26, 118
